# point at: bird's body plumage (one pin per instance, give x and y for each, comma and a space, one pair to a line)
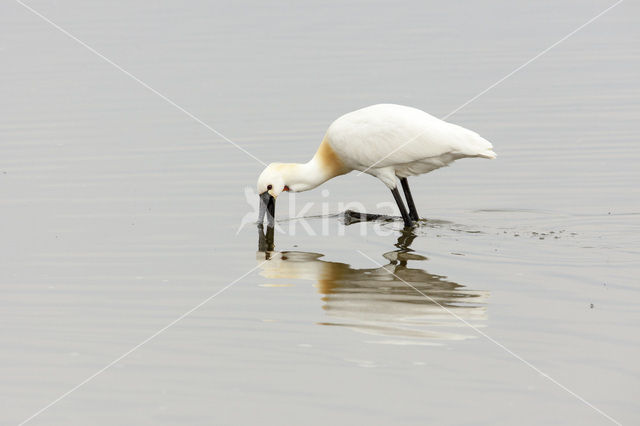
386, 141
390, 140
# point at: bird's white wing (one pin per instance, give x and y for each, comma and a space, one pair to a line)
384, 135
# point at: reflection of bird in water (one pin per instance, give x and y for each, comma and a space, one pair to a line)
377, 301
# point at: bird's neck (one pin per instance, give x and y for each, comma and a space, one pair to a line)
324, 165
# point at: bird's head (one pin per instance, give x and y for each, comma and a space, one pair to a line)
270, 184
272, 180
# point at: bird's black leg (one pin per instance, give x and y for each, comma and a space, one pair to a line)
403, 211
413, 213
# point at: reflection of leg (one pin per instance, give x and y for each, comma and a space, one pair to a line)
403, 211
405, 239
351, 217
413, 213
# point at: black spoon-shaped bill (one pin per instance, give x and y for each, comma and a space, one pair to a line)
268, 207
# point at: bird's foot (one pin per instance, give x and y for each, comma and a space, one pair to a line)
408, 223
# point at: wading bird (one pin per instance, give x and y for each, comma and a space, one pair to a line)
386, 141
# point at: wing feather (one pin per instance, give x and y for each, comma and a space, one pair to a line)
388, 134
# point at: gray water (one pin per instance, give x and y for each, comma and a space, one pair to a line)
120, 213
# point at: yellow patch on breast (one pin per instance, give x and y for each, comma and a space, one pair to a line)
330, 160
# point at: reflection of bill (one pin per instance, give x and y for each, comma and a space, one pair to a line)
376, 301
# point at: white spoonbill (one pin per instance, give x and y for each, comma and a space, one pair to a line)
386, 141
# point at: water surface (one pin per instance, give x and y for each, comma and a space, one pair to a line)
119, 213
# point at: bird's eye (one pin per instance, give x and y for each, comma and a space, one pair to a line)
269, 187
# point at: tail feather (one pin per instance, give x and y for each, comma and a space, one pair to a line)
488, 154
480, 146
